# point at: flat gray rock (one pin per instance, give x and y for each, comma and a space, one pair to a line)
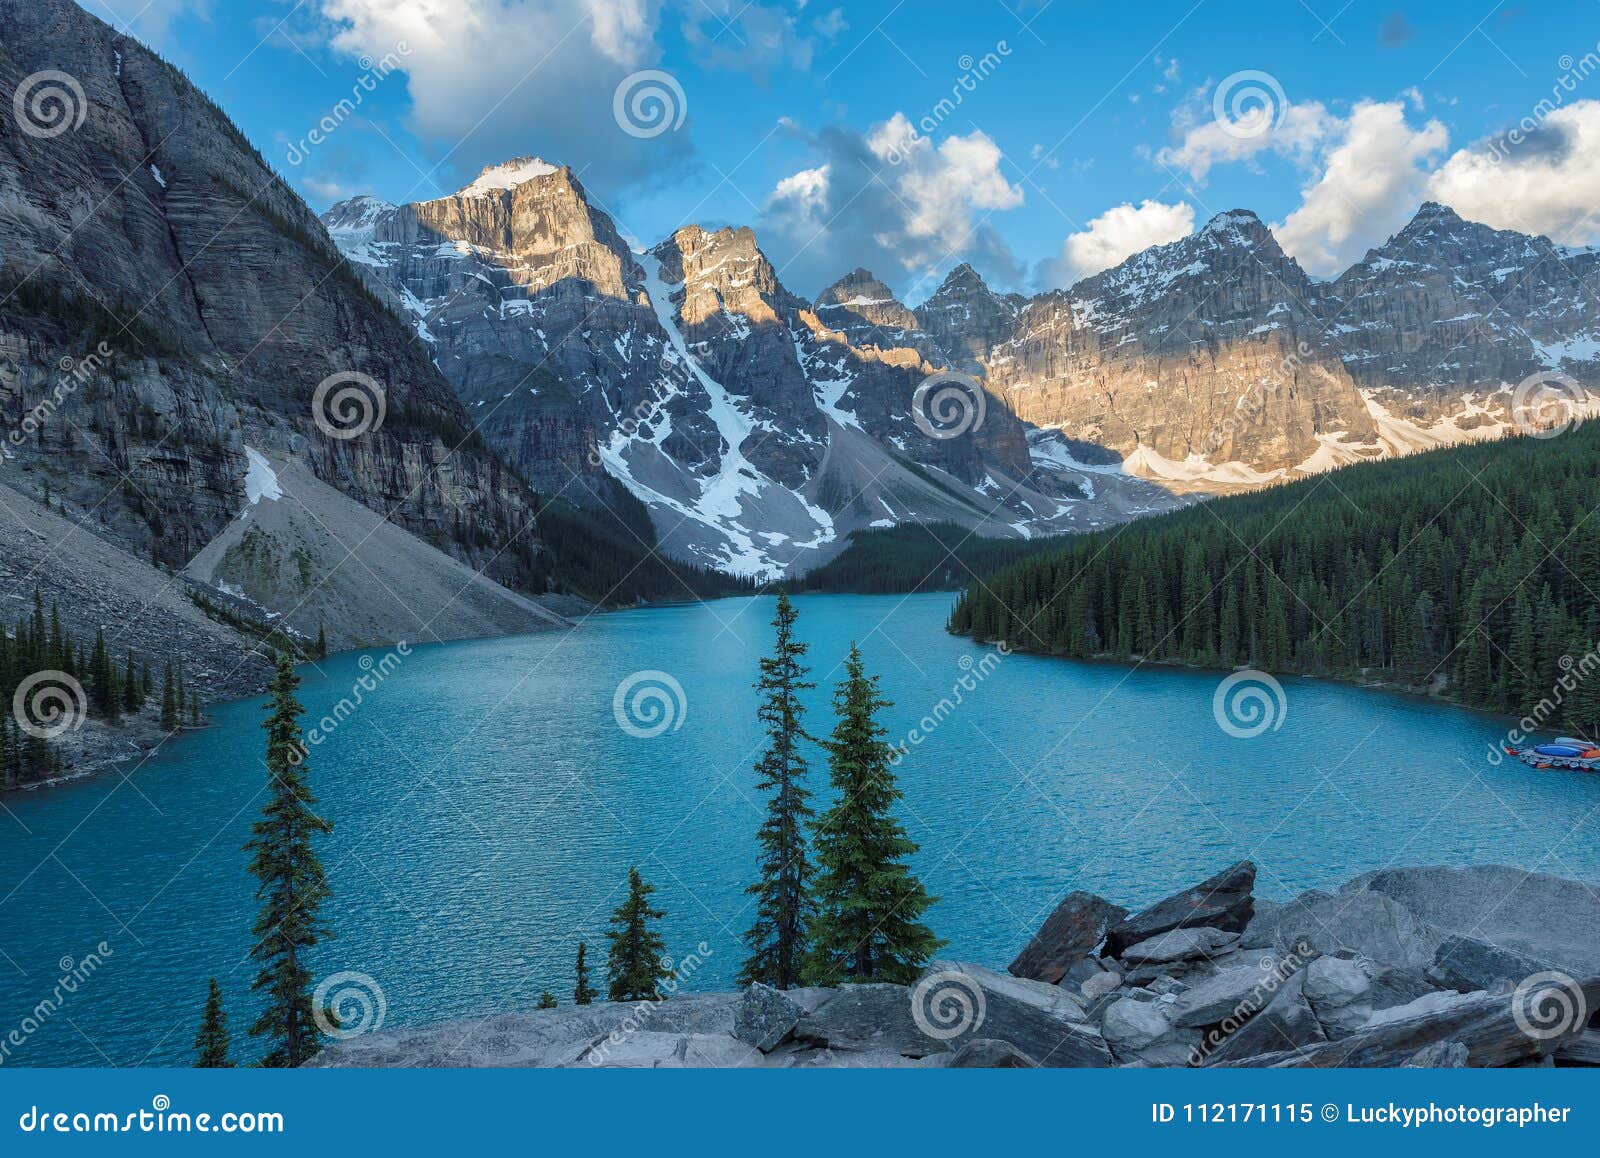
1236, 994
1371, 924
1046, 1022
987, 1053
868, 1017
1224, 901
1467, 964
1198, 941
1441, 1055
1073, 931
1543, 917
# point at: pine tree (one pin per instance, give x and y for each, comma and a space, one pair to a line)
211, 1043
869, 903
635, 965
292, 886
322, 642
130, 688
778, 940
547, 1000
169, 702
582, 993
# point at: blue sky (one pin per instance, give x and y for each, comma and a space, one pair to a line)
1084, 131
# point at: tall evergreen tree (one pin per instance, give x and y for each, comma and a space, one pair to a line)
169, 702
869, 903
582, 993
778, 940
211, 1043
547, 1000
131, 700
634, 967
292, 886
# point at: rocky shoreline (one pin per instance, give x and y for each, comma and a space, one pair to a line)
1486, 966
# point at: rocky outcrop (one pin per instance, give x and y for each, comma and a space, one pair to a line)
967, 319
1073, 930
1229, 1006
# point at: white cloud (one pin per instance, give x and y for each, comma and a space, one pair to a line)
1116, 235
893, 199
1542, 181
149, 20
490, 79
1368, 186
1294, 131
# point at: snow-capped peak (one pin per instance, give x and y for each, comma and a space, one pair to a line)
506, 175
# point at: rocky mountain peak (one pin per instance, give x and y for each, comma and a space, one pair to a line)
967, 319
506, 175
866, 311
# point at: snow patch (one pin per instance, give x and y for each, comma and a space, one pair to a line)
260, 480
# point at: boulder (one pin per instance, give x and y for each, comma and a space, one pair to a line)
1140, 1031
1072, 932
1441, 1055
1583, 1050
765, 1017
986, 1053
1202, 941
1044, 1021
1336, 988
1235, 994
1492, 1026
1285, 1023
867, 1017
1369, 924
1100, 984
1223, 902
1466, 964
1542, 917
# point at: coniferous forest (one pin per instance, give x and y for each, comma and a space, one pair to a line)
1472, 570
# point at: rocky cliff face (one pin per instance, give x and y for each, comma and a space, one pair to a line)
967, 319
1187, 356
758, 430
224, 306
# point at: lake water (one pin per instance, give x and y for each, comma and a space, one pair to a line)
488, 805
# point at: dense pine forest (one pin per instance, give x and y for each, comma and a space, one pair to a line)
1476, 564
112, 689
917, 557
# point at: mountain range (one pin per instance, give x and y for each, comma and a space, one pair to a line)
761, 429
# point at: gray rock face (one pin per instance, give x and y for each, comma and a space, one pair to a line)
1197, 941
1224, 901
866, 1018
1044, 1021
1467, 964
1142, 1031
1235, 993
1337, 989
1441, 1055
967, 319
1285, 1023
1543, 917
766, 1017
1372, 924
1071, 932
989, 1054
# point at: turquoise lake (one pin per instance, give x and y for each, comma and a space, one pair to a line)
487, 806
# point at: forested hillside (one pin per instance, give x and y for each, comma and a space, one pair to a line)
917, 557
1478, 564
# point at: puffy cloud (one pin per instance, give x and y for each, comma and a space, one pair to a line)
1116, 235
894, 200
490, 79
1542, 179
1278, 127
1368, 186
754, 37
